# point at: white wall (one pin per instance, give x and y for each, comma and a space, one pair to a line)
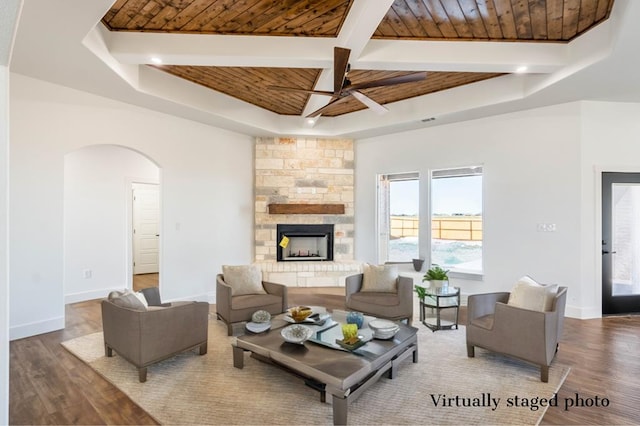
207, 204
531, 165
9, 12
610, 143
4, 245
97, 188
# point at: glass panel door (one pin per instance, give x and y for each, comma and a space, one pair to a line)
620, 243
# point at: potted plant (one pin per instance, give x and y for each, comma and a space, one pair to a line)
437, 276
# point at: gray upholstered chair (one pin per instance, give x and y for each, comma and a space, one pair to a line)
394, 306
529, 335
235, 309
144, 336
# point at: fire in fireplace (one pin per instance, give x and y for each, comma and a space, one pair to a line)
304, 242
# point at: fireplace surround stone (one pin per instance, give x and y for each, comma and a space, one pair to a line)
304, 171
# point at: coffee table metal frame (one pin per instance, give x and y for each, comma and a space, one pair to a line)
438, 299
343, 375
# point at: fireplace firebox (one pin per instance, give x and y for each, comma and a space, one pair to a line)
304, 243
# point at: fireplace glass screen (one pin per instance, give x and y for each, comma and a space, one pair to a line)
304, 242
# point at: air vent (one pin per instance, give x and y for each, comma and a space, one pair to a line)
426, 120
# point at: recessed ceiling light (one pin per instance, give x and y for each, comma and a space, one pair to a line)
156, 60
311, 121
521, 69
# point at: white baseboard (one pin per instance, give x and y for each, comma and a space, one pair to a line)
91, 295
582, 313
40, 327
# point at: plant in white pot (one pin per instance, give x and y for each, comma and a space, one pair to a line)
437, 276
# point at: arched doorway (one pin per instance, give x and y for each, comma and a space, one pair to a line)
98, 218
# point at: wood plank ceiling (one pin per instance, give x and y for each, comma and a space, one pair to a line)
443, 20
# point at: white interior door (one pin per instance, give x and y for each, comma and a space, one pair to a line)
146, 228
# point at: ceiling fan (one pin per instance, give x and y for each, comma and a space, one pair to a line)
343, 89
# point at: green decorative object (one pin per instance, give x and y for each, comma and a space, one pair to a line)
437, 276
436, 273
421, 291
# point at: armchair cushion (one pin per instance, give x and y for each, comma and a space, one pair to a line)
528, 294
243, 279
380, 279
126, 300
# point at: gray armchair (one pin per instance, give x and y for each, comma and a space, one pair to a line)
394, 306
529, 335
144, 336
234, 309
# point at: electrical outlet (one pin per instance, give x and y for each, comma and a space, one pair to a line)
546, 227
86, 273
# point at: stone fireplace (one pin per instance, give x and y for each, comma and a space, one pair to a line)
306, 178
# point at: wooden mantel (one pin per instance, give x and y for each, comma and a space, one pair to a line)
306, 208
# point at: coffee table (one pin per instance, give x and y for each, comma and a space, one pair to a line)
343, 374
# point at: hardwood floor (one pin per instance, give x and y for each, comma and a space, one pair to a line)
145, 280
50, 386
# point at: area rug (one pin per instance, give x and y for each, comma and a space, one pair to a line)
444, 387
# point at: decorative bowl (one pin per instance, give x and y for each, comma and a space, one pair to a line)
300, 313
356, 318
383, 329
261, 316
296, 333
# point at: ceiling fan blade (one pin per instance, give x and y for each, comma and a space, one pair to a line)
390, 81
369, 102
296, 90
340, 65
332, 103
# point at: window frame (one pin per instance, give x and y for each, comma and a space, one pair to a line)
383, 222
452, 172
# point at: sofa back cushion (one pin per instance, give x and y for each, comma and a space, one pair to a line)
243, 279
529, 294
127, 300
380, 278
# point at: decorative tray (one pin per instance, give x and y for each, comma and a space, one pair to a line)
258, 327
352, 346
314, 319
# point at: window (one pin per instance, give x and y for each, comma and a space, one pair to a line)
456, 219
398, 205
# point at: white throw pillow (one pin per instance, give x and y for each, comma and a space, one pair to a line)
380, 278
529, 294
127, 300
142, 299
243, 279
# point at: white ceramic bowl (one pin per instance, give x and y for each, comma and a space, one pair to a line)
383, 329
296, 333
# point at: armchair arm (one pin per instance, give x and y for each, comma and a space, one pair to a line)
479, 305
223, 297
405, 293
352, 284
277, 290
